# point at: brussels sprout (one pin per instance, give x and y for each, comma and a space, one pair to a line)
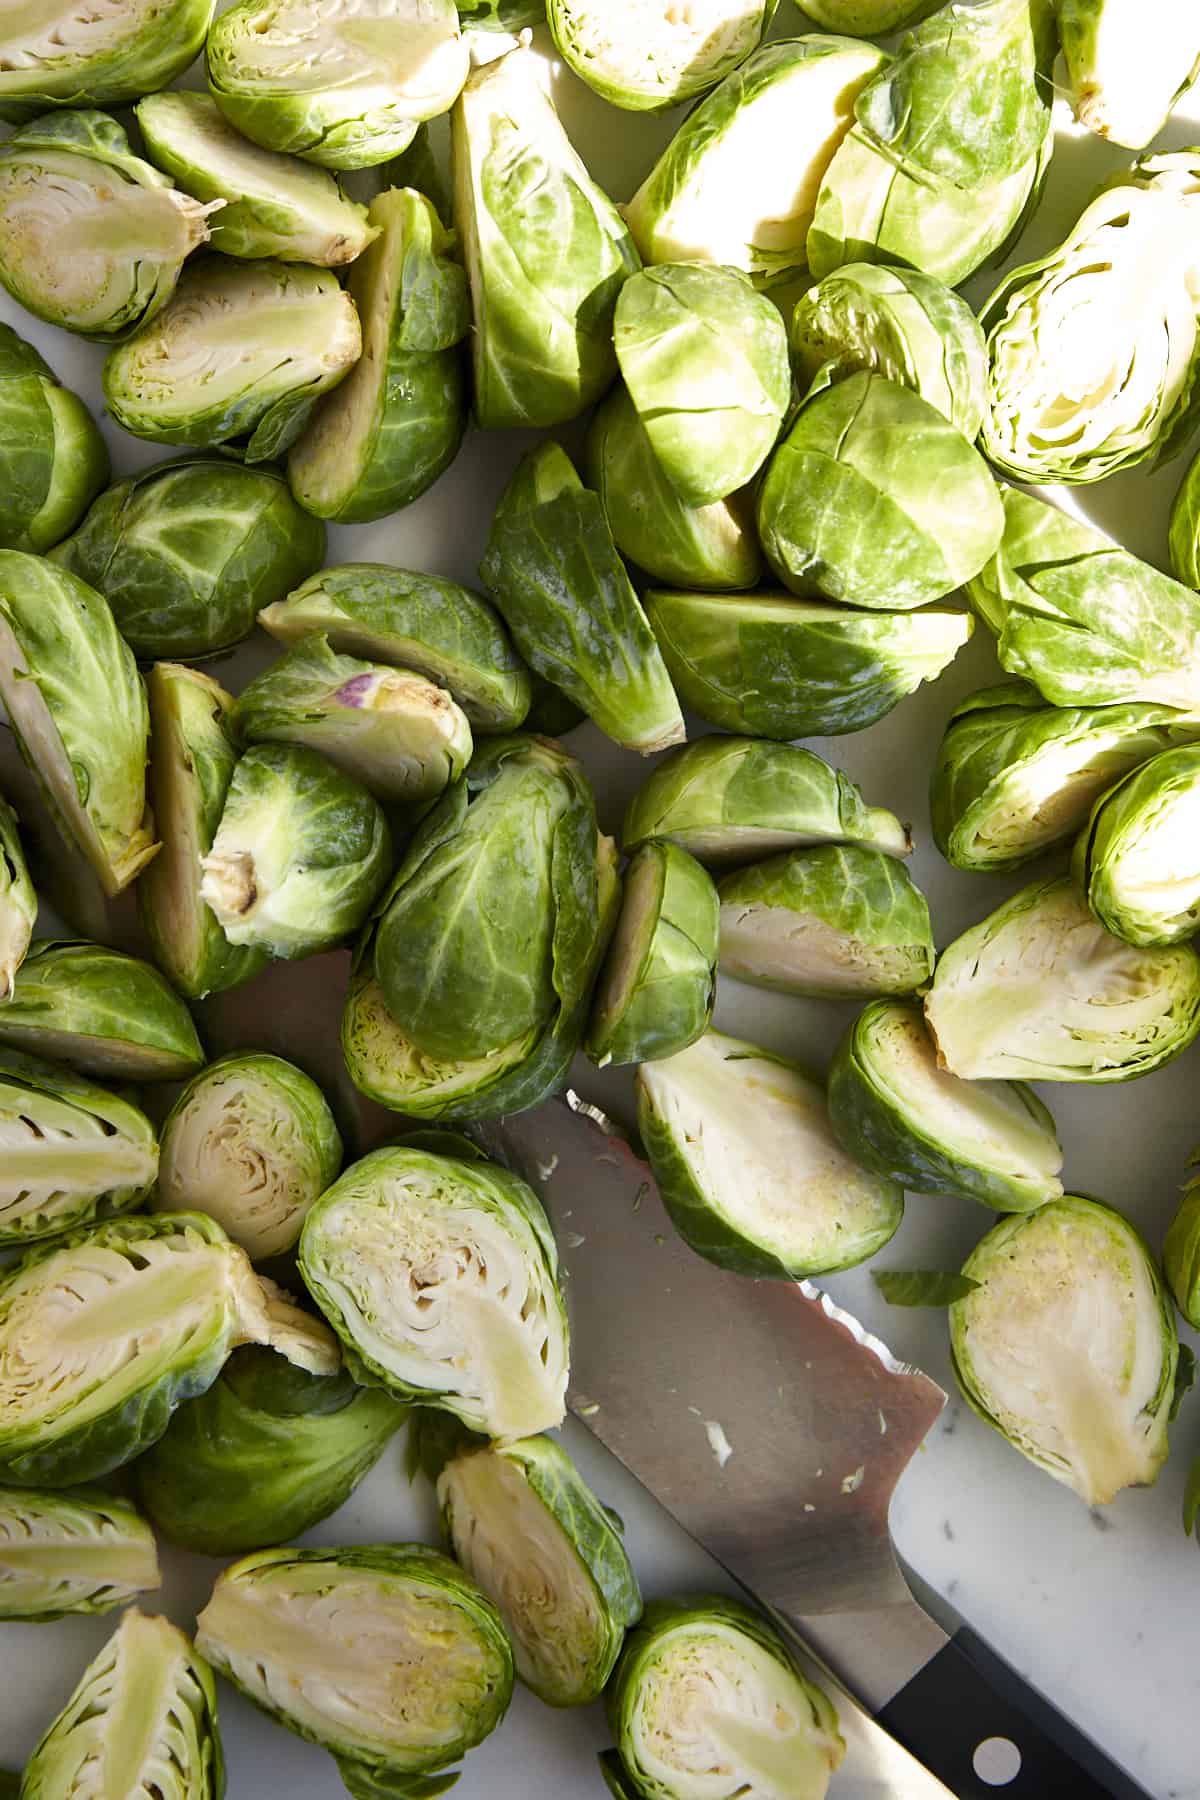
1126, 72
386, 1655
102, 1012
188, 552
53, 460
1041, 992
1184, 535
1137, 860
79, 1552
1070, 1291
894, 1109
268, 1452
343, 84
388, 432
273, 205
299, 856
902, 324
868, 18
1181, 1252
772, 665
657, 988
76, 703
648, 58
554, 573
1014, 775
417, 622
874, 498
748, 1167
546, 251
1084, 620
721, 192
1095, 348
18, 901
709, 1685
729, 800
72, 53
142, 1720
239, 356
527, 1528
439, 1276
833, 922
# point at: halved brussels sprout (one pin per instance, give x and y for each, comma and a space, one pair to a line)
1138, 859
1041, 991
648, 58
1181, 1252
730, 800
413, 621
76, 703
721, 192
397, 733
299, 856
773, 665
268, 1452
79, 1552
707, 1685
705, 360
18, 901
554, 573
868, 18
1124, 78
390, 429
874, 498
53, 460
656, 990
898, 1112
188, 552
439, 1276
833, 922
240, 356
1067, 1346
748, 1167
142, 1720
102, 1012
386, 1655
528, 1529
273, 205
73, 53
1184, 535
1015, 775
546, 251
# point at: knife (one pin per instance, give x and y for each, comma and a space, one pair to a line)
774, 1428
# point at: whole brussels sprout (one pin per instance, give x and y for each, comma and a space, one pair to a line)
53, 460
1124, 78
70, 53
1137, 860
646, 59
18, 901
1184, 535
868, 18
187, 553
78, 1552
102, 1012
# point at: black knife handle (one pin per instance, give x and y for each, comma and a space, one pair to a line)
966, 1696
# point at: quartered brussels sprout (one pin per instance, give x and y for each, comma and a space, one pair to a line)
868, 18
1015, 775
102, 1012
1181, 1252
748, 1167
902, 324
528, 1529
833, 922
1137, 860
554, 573
53, 460
76, 703
874, 498
1184, 535
1072, 1293
773, 665
646, 59
708, 1685
299, 856
396, 422
656, 991
721, 192
413, 621
142, 1720
546, 251
73, 53
386, 1655
1127, 72
396, 732
268, 1452
187, 553
272, 204
251, 1142
78, 1552
902, 1115
1084, 382
1041, 991
18, 901
1081, 618
439, 1276
239, 356
729, 800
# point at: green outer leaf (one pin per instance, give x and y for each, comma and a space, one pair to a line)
644, 64
1184, 535
1191, 1498
1148, 808
149, 43
1122, 101
922, 1287
867, 18
512, 16
102, 1012
1185, 1380
80, 1552
434, 1437
18, 901
1181, 1253
53, 460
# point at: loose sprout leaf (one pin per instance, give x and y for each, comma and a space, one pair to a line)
1191, 1498
922, 1287
1185, 1380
